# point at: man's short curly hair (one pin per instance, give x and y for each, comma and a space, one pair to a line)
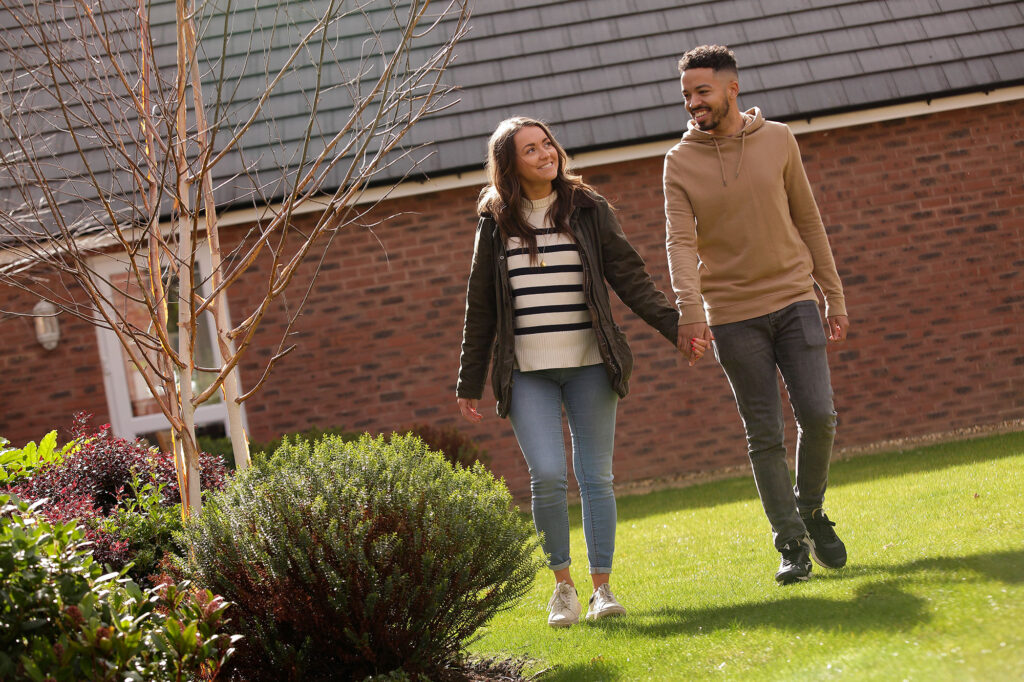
715, 57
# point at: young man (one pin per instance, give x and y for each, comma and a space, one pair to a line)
745, 247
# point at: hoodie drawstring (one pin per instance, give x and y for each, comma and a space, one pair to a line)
743, 142
721, 162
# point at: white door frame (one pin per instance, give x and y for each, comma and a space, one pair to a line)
123, 422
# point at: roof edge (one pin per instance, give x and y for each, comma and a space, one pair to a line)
634, 152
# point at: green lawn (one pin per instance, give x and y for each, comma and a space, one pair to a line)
934, 589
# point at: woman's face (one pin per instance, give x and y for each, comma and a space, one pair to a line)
536, 161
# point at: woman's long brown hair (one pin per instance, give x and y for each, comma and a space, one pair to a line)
503, 197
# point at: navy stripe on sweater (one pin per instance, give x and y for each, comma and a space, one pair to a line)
544, 269
553, 289
544, 249
541, 309
554, 328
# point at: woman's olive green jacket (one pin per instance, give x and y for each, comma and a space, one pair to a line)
489, 330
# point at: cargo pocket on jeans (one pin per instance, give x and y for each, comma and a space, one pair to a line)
810, 321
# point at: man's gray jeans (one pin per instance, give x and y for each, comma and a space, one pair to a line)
791, 341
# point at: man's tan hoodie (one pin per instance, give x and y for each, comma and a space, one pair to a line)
743, 231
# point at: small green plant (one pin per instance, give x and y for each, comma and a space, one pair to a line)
147, 524
351, 559
63, 618
19, 463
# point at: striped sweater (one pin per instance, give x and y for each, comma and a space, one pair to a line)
553, 324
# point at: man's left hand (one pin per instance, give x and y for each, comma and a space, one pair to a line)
838, 326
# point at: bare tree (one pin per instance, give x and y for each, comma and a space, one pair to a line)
126, 123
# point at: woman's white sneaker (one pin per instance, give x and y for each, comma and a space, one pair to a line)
603, 604
564, 607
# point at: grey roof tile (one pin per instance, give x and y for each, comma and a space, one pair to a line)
782, 75
800, 46
834, 66
858, 39
933, 51
1007, 67
982, 70
899, 9
898, 32
979, 44
770, 28
860, 13
984, 18
884, 59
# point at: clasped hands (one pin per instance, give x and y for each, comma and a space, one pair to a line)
692, 340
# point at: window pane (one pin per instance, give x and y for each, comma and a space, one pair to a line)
127, 298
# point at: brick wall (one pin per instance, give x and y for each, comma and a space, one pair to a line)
925, 215
39, 389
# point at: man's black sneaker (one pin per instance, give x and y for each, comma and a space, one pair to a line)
826, 547
796, 564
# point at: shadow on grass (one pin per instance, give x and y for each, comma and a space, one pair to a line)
879, 605
1005, 567
846, 472
875, 606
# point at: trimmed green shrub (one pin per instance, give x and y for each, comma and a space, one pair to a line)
457, 447
312, 435
350, 559
63, 619
221, 445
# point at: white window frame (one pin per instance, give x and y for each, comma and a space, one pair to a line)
123, 422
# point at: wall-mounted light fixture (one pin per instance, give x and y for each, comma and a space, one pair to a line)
47, 326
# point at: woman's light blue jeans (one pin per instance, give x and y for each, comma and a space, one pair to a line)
535, 410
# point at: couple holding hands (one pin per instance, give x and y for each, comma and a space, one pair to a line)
745, 245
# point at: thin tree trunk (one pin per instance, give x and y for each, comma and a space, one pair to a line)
239, 441
186, 449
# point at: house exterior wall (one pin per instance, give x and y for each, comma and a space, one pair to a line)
40, 390
925, 216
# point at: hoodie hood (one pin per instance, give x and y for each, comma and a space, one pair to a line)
753, 120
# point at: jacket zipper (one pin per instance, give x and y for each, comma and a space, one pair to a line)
506, 295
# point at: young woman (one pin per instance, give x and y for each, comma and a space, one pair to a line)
545, 245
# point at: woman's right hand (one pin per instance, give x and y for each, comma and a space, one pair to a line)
467, 406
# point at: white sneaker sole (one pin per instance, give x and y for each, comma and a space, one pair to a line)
563, 623
620, 611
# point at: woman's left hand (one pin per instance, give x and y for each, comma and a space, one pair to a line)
467, 406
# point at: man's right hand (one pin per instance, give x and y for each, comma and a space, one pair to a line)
685, 340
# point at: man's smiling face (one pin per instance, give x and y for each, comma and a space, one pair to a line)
708, 96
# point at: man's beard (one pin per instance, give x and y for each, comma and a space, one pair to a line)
716, 117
